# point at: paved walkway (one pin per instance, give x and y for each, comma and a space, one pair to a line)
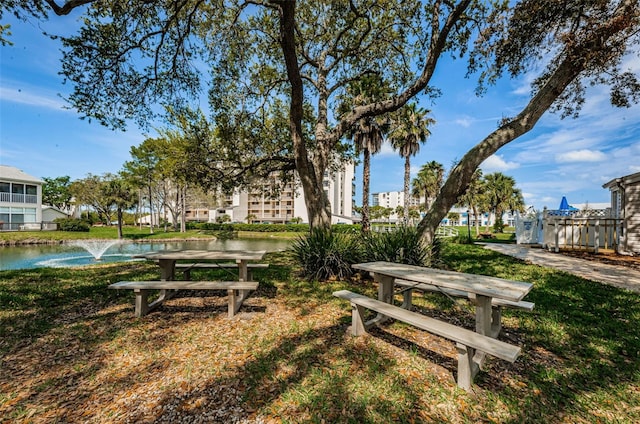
614, 275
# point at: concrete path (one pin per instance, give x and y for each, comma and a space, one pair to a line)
614, 275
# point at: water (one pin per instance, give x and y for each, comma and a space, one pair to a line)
69, 255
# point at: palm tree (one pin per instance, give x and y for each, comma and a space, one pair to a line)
428, 182
368, 137
410, 132
474, 198
502, 195
368, 133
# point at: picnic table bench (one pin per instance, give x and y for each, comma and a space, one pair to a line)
486, 236
469, 344
237, 291
489, 294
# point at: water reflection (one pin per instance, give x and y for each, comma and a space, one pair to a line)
67, 255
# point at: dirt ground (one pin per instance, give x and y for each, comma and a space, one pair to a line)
610, 258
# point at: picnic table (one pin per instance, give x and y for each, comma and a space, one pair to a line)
238, 289
488, 293
167, 259
481, 288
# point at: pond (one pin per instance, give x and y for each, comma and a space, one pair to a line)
70, 255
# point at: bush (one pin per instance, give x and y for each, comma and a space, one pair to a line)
402, 245
324, 254
72, 224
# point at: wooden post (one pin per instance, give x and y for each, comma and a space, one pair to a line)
467, 369
358, 327
596, 236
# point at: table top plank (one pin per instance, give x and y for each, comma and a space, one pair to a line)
479, 284
246, 255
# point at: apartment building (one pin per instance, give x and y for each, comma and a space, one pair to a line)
20, 200
391, 200
261, 206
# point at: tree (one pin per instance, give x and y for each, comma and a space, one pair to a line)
56, 192
501, 195
428, 182
474, 198
93, 190
411, 129
126, 60
579, 43
368, 137
122, 194
143, 169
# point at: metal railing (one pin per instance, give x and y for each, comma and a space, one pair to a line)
18, 198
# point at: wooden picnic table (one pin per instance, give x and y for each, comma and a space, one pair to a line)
481, 288
167, 259
238, 290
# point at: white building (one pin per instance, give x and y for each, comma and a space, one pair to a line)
20, 200
262, 207
391, 200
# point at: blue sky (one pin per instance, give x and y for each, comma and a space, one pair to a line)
571, 157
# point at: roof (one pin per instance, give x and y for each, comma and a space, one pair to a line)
626, 180
14, 174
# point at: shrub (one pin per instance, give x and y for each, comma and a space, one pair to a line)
324, 254
72, 224
402, 245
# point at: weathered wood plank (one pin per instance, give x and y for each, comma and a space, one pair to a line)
479, 284
452, 332
186, 285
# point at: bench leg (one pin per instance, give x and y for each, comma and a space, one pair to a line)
142, 302
385, 294
496, 321
236, 297
358, 326
407, 299
467, 368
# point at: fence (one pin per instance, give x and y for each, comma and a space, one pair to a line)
581, 230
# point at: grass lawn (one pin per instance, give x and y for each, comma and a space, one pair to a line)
129, 233
71, 351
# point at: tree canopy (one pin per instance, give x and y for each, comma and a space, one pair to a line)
133, 60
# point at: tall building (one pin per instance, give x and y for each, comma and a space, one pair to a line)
261, 206
391, 200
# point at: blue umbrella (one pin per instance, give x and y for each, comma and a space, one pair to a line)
564, 205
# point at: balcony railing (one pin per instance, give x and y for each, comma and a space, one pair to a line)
18, 198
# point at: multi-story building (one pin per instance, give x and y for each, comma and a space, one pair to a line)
391, 200
261, 205
20, 200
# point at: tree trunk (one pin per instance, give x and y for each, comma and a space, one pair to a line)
366, 171
407, 177
310, 171
150, 210
119, 214
462, 174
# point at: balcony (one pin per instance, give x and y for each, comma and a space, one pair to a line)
18, 198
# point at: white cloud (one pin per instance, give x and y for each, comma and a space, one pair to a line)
387, 150
583, 155
495, 163
17, 95
464, 122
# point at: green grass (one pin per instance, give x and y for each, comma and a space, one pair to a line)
129, 233
290, 359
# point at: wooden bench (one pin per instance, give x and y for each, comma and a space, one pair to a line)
486, 236
471, 346
187, 267
237, 291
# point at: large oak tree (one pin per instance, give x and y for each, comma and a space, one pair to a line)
130, 57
